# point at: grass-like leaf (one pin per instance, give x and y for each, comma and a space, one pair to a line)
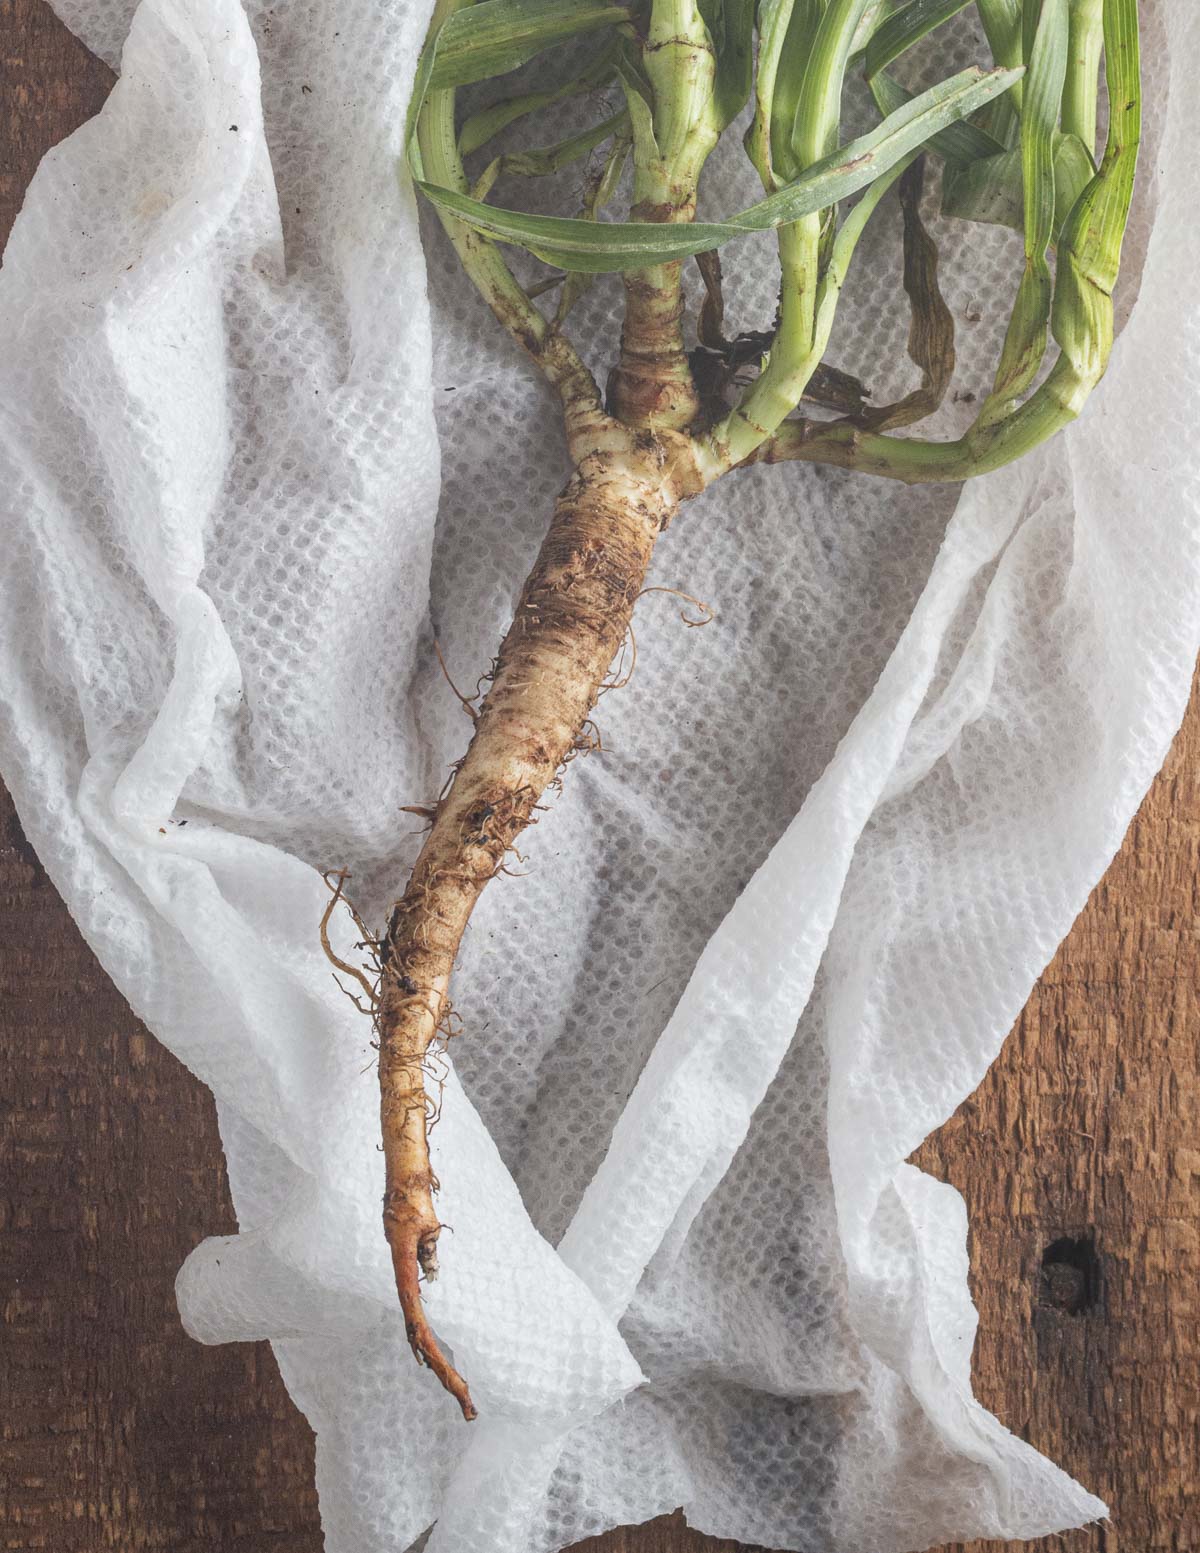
488, 122
785, 30
544, 161
818, 110
495, 36
991, 189
1089, 251
583, 245
906, 27
1025, 341
730, 24
795, 47
1083, 70
958, 143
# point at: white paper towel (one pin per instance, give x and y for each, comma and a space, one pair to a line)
767, 941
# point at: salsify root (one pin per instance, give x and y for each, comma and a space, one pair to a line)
677, 420
569, 624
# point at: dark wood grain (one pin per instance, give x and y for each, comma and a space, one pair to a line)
116, 1430
1079, 1158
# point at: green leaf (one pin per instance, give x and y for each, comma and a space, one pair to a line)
639, 95
1044, 82
545, 161
1073, 171
819, 108
583, 245
795, 47
416, 102
871, 20
730, 24
1089, 253
961, 142
1031, 15
1083, 69
496, 36
990, 189
601, 186
774, 18
1002, 27
1002, 120
488, 122
1025, 341
906, 27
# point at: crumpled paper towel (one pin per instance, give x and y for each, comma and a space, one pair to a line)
766, 941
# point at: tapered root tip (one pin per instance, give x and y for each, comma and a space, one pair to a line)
408, 1261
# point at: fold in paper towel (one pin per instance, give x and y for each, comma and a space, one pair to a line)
767, 941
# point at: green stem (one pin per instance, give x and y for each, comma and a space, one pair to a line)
916, 462
1086, 39
1002, 26
806, 299
652, 385
481, 259
819, 109
1082, 321
773, 26
679, 61
794, 356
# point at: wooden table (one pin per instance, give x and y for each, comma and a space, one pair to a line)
1079, 1158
